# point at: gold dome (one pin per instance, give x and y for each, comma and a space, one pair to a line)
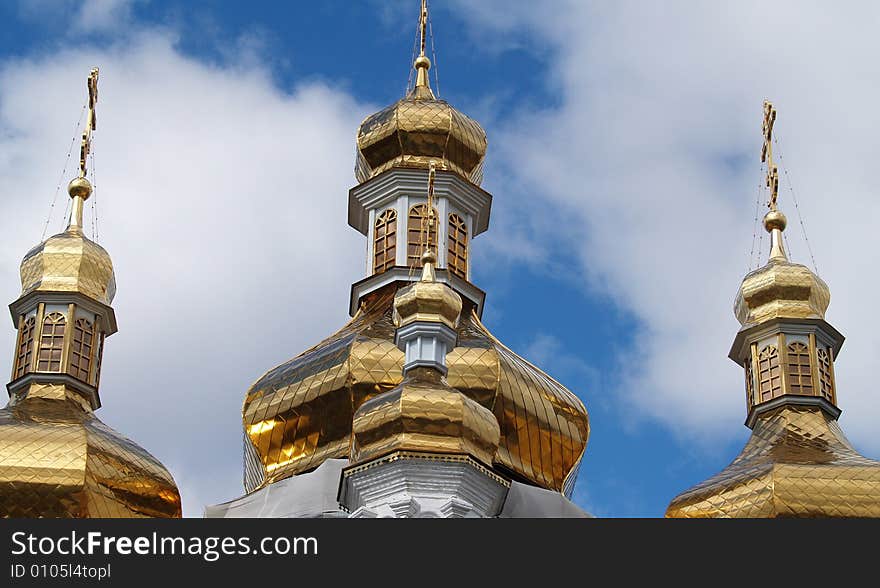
300, 413
427, 300
419, 130
780, 289
69, 262
423, 413
797, 463
57, 459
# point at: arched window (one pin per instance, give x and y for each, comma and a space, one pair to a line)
769, 376
81, 352
826, 381
51, 343
456, 255
800, 377
385, 241
25, 352
417, 222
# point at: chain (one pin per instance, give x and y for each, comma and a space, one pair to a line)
796, 207
63, 172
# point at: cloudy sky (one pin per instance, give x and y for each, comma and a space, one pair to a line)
624, 160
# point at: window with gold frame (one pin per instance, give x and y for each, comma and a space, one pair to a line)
457, 242
769, 374
51, 343
385, 241
800, 377
25, 351
81, 350
417, 221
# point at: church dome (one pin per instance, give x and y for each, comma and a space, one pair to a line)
70, 262
423, 413
57, 459
780, 289
300, 413
419, 130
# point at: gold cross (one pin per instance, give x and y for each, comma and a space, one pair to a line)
423, 24
86, 146
767, 153
428, 220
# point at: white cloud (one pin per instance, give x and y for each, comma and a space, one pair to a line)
652, 157
222, 200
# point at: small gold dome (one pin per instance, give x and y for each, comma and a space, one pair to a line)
424, 413
427, 300
416, 131
69, 262
781, 289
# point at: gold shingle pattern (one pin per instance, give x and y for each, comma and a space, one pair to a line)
300, 413
797, 463
69, 262
58, 460
416, 131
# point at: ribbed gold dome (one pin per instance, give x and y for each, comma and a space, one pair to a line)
427, 300
57, 459
424, 413
69, 262
300, 413
419, 130
780, 289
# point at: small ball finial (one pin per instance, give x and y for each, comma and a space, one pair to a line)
775, 220
79, 187
428, 257
422, 62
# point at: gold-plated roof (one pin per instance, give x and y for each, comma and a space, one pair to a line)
419, 130
69, 261
798, 463
423, 413
300, 413
57, 459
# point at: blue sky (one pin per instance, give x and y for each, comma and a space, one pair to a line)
623, 159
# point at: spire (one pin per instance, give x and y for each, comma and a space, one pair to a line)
80, 188
774, 220
422, 64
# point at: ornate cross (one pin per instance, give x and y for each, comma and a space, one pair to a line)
428, 220
86, 145
767, 153
423, 24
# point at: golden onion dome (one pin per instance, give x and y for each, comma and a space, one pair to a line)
300, 413
69, 261
424, 413
419, 130
780, 289
57, 459
427, 300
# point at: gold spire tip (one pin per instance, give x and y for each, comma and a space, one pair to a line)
422, 64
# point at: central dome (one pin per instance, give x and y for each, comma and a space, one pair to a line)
300, 413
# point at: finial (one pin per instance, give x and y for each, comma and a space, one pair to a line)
80, 188
428, 261
422, 63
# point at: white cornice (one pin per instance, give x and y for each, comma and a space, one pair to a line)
388, 186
